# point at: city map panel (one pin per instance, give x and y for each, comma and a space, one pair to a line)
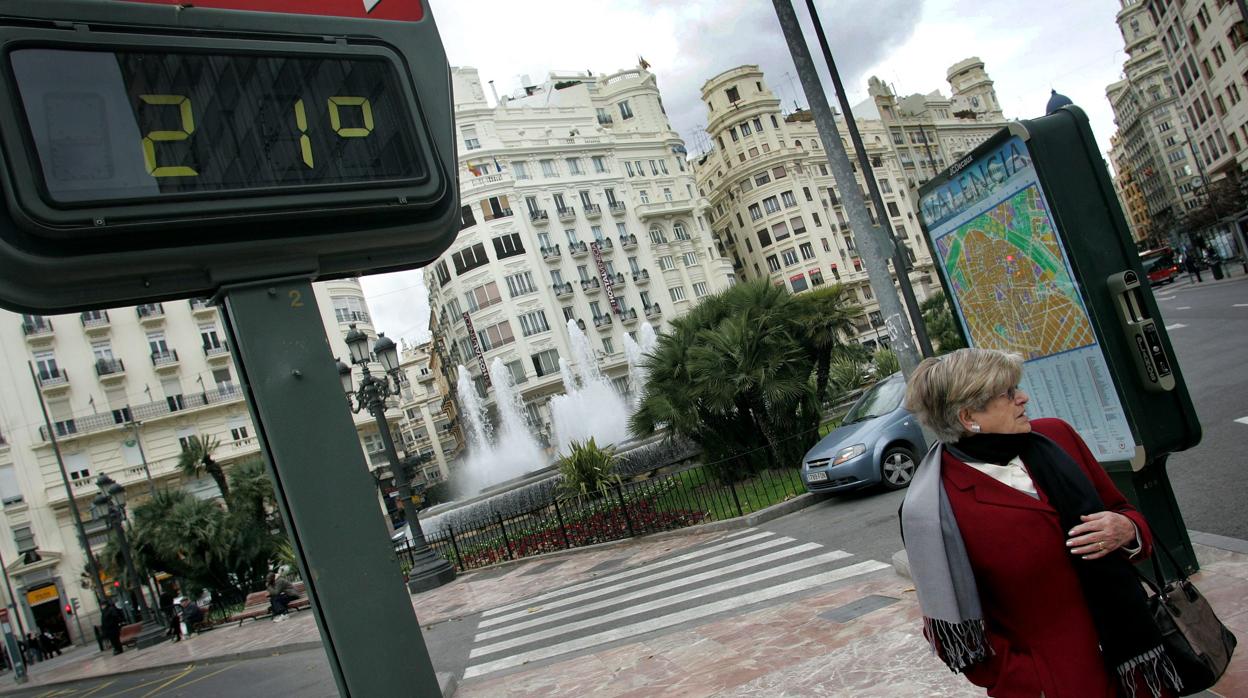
1007, 270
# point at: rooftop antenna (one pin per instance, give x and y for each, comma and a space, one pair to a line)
494, 91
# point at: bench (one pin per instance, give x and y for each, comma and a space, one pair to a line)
257, 605
130, 633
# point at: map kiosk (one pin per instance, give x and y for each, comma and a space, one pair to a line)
1036, 258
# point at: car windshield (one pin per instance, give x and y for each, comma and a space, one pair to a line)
883, 398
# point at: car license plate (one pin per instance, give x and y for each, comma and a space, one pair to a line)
816, 477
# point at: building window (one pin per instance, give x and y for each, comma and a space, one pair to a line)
643, 195
799, 226
600, 163
761, 178
789, 256
799, 283
574, 166
548, 169
773, 263
789, 200
771, 204
495, 207
520, 169
816, 277
346, 309
657, 237
699, 289
534, 322
778, 172
508, 246
471, 142
444, 276
690, 258
626, 112
667, 263
546, 363
679, 232
756, 212
779, 231
677, 293
470, 258
807, 251
495, 336
466, 218
764, 238
483, 296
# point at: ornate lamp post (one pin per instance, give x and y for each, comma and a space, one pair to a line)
110, 505
429, 570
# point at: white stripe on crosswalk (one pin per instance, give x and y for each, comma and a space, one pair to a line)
650, 590
639, 580
691, 595
672, 619
735, 539
1175, 326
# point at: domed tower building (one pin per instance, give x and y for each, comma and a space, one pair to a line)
775, 208
973, 91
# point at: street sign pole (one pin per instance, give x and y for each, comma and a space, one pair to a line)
326, 496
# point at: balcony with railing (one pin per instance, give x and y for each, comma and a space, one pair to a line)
94, 321
605, 245
110, 369
656, 209
591, 284
616, 207
628, 316
552, 254
473, 184
593, 211
617, 280
37, 327
55, 380
165, 360
567, 213
150, 312
202, 306
654, 311
581, 324
641, 276
539, 216
146, 412
628, 242
603, 321
217, 352
578, 249
563, 289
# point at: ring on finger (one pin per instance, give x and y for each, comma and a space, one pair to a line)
1101, 545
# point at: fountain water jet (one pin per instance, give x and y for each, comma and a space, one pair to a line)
590, 406
495, 455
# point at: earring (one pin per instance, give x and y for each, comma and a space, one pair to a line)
975, 427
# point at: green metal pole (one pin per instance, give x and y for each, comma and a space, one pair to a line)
324, 491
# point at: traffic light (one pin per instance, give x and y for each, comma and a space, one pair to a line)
69, 609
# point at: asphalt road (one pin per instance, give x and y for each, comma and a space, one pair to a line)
1209, 330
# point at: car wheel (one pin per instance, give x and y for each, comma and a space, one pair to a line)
897, 468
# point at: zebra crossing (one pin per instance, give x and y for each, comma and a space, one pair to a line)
744, 568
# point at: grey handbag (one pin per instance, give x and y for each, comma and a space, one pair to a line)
1196, 641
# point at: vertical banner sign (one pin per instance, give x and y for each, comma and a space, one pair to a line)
607, 282
476, 348
1013, 289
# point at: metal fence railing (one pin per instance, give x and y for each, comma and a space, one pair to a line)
662, 503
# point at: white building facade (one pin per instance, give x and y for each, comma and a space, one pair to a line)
578, 205
124, 389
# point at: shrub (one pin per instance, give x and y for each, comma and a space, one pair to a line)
587, 468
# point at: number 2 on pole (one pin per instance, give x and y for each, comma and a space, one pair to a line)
149, 141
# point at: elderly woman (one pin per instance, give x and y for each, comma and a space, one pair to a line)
1020, 546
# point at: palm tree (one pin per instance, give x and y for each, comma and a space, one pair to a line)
197, 455
941, 326
824, 317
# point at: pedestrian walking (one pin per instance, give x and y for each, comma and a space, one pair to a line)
33, 646
1021, 547
1192, 263
112, 620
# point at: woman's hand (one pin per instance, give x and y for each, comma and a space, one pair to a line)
1100, 534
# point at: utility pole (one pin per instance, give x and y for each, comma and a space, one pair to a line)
901, 263
69, 493
873, 246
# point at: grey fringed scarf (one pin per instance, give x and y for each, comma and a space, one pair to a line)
945, 582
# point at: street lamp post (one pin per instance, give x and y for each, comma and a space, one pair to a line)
110, 505
429, 570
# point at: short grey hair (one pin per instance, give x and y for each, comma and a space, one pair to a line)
966, 379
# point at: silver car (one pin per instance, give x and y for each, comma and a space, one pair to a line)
878, 442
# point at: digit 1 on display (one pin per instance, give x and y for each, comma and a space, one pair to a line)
149, 141
305, 143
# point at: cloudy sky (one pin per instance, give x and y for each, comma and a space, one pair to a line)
1028, 48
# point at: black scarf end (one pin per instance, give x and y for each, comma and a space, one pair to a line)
1151, 671
959, 645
